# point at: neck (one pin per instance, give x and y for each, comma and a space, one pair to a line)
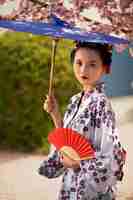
88, 88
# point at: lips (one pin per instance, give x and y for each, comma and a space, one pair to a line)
84, 77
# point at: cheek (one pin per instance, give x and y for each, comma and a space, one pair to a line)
99, 70
98, 73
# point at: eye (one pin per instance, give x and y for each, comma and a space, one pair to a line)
93, 64
78, 62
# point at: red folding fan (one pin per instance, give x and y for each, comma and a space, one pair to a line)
71, 143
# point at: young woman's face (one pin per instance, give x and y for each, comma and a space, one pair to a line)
88, 67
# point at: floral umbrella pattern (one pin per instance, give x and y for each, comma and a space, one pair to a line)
113, 17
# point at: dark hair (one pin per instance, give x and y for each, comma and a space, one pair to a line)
104, 50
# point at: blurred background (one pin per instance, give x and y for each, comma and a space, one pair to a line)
120, 83
24, 78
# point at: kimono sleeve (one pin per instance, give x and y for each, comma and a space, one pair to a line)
105, 169
51, 167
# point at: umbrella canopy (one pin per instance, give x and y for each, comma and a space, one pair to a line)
112, 17
61, 29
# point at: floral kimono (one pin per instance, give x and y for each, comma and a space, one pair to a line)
90, 114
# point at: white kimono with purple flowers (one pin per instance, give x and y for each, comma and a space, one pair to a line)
91, 115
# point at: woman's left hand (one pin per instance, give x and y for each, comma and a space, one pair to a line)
70, 163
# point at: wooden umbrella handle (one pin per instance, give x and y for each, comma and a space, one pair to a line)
54, 46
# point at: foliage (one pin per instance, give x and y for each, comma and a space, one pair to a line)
24, 78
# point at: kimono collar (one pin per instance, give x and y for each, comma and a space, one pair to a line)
99, 87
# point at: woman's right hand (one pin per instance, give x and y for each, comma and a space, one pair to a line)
51, 106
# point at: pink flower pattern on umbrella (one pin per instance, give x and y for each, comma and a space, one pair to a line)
113, 17
2, 2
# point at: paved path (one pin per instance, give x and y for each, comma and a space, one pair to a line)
19, 179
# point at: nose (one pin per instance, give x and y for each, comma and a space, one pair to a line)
83, 69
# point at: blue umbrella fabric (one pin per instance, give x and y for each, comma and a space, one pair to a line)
106, 16
60, 29
113, 18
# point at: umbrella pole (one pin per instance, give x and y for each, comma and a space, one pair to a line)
54, 45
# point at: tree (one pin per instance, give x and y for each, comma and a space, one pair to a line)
24, 78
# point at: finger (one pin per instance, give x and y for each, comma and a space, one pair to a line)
49, 98
44, 99
51, 95
45, 106
50, 101
45, 102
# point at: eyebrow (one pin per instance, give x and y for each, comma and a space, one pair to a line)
94, 61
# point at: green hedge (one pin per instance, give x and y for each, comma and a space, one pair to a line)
24, 77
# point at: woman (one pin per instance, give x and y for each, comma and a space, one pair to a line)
89, 113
